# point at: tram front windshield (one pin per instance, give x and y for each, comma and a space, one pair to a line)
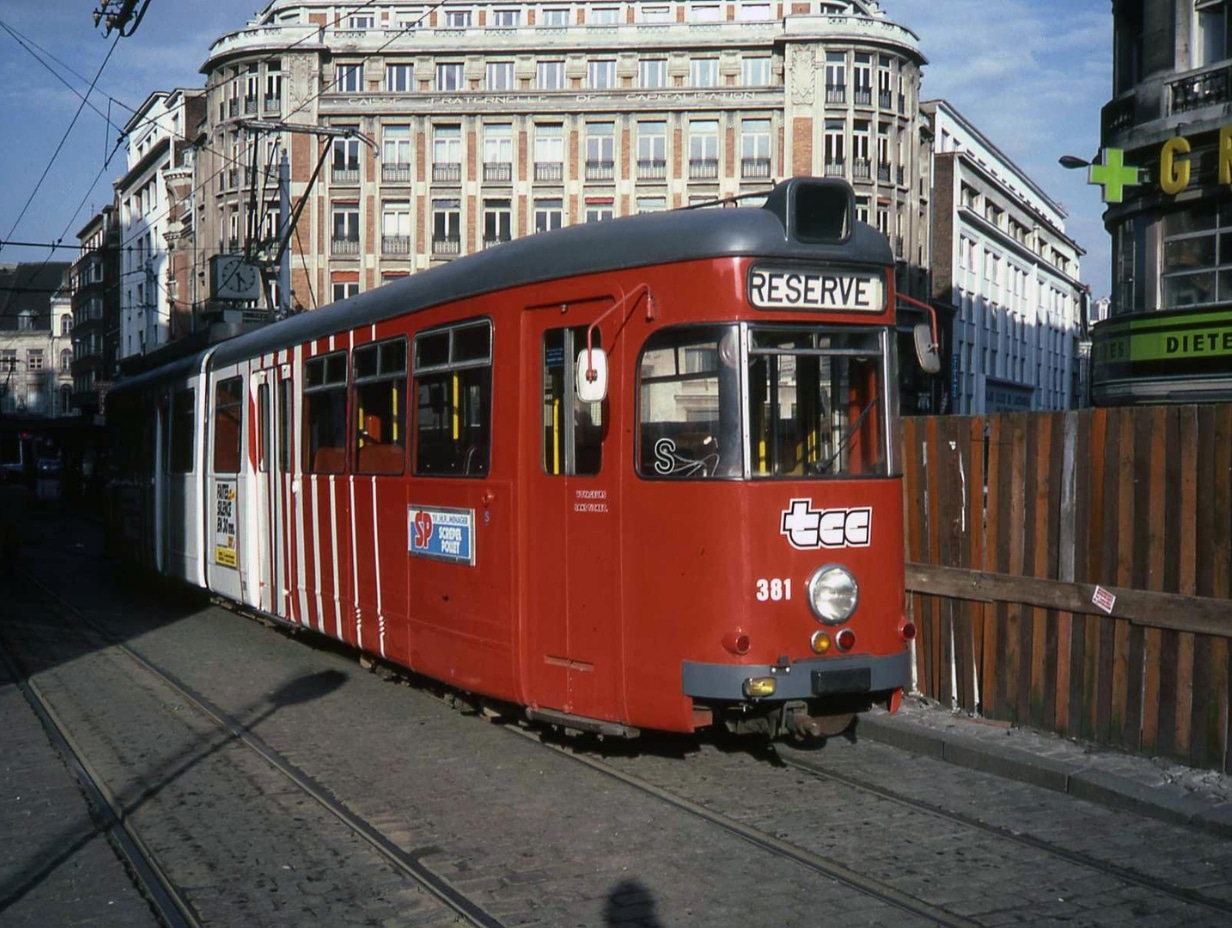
763, 402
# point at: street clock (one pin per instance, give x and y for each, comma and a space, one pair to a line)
233, 277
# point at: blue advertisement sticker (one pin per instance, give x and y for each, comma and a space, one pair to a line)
441, 534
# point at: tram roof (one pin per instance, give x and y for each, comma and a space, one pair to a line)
630, 242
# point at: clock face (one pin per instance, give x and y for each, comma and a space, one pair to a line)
235, 278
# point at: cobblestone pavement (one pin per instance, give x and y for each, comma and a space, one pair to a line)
531, 835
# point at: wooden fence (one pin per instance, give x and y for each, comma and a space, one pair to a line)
1071, 572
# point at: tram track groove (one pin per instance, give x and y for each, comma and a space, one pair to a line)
1180, 893
158, 888
409, 863
875, 889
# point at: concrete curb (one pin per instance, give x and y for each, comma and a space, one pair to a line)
1119, 781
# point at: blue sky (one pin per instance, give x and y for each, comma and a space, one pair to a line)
1031, 74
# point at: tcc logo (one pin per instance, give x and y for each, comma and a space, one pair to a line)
808, 528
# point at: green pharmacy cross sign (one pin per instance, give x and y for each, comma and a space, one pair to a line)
1113, 175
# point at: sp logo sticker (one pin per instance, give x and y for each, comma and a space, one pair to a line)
808, 528
423, 529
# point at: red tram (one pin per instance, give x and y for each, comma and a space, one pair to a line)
633, 474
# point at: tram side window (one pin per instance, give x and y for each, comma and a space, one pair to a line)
572, 431
325, 388
183, 430
453, 400
228, 415
284, 426
380, 407
689, 404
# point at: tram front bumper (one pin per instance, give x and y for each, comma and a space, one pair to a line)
804, 679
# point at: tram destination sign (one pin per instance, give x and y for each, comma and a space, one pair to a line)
830, 290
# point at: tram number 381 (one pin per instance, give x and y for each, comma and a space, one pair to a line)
773, 590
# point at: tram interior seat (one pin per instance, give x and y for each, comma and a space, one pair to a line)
329, 461
376, 455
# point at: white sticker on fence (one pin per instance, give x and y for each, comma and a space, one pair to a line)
1103, 599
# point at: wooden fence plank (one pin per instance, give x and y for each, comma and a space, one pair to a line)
1066, 567
1186, 557
975, 553
912, 502
1222, 554
1150, 437
992, 686
934, 634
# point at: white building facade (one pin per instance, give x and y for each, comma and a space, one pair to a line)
1005, 266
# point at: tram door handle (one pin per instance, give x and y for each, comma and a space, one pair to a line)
487, 498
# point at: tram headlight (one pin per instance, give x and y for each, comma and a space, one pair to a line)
833, 594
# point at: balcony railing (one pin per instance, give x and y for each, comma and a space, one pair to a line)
446, 246
863, 96
250, 106
835, 168
344, 175
493, 242
600, 170
344, 246
395, 244
1118, 115
754, 167
396, 173
836, 93
883, 171
448, 172
497, 172
861, 169
549, 171
1198, 90
651, 169
885, 99
271, 104
703, 168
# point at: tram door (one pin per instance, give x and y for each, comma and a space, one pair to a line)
267, 490
572, 656
226, 496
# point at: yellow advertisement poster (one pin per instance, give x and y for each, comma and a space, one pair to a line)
224, 525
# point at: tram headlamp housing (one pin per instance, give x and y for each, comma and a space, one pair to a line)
833, 594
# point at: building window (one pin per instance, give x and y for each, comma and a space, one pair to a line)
345, 162
753, 12
358, 21
862, 79
835, 148
497, 222
457, 19
500, 75
601, 73
453, 397
498, 153
66, 361
446, 227
396, 227
25, 320
548, 215
659, 13
885, 84
652, 73
399, 78
344, 289
651, 150
447, 154
704, 149
861, 166
555, 18
597, 210
345, 240
704, 72
755, 148
34, 359
396, 154
550, 75
651, 204
600, 150
605, 16
348, 78
1197, 256
449, 76
549, 152
755, 72
506, 19
705, 13
836, 77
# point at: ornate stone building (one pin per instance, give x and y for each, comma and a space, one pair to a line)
413, 133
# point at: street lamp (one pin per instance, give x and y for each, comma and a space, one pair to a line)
1073, 162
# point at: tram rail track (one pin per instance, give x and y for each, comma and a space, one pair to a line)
169, 901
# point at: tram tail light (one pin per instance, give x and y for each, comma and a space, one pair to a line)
760, 687
846, 639
736, 642
907, 630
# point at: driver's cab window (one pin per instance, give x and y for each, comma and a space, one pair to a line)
572, 430
452, 372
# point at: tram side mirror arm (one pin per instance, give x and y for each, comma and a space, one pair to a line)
591, 368
926, 349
